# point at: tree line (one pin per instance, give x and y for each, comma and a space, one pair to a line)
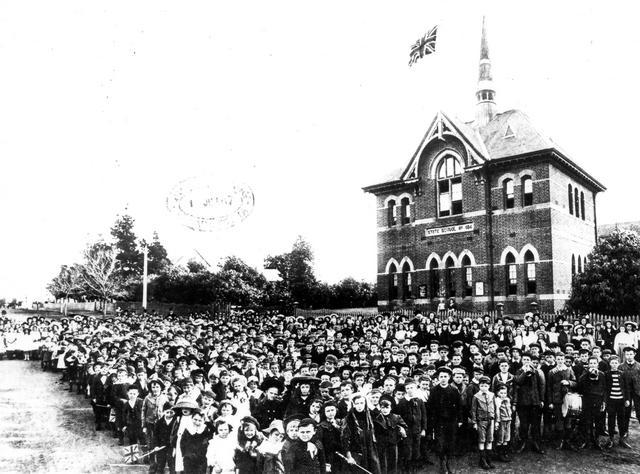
112, 270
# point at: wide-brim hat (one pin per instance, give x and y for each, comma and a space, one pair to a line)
631, 323
251, 420
275, 425
444, 369
155, 379
306, 379
186, 404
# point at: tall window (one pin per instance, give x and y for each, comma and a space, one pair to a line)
393, 282
570, 193
435, 278
467, 273
512, 274
507, 191
577, 201
450, 277
405, 211
391, 213
573, 265
530, 270
579, 264
449, 187
406, 281
527, 191
582, 204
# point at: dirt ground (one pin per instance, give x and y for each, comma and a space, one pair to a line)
44, 428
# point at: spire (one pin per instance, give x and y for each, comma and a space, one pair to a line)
485, 95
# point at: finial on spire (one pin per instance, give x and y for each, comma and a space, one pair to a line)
485, 95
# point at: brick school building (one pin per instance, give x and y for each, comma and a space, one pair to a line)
486, 212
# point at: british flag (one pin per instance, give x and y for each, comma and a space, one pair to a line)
422, 47
131, 454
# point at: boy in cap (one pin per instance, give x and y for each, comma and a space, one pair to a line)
631, 371
483, 415
592, 386
413, 411
561, 379
390, 430
443, 409
132, 416
162, 439
616, 395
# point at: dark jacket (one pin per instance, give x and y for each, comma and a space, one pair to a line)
132, 416
162, 433
387, 429
414, 414
592, 388
632, 374
300, 461
555, 390
529, 388
329, 436
268, 410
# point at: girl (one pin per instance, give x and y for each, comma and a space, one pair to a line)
228, 414
194, 443
184, 410
271, 449
358, 437
239, 396
246, 455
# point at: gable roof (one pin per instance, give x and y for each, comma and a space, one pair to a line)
509, 134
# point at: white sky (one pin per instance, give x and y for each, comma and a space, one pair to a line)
104, 106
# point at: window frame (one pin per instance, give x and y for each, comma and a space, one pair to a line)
511, 274
449, 185
508, 198
576, 202
570, 195
527, 197
405, 211
392, 219
531, 284
467, 276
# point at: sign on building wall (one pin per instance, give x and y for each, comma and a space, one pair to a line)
479, 288
451, 229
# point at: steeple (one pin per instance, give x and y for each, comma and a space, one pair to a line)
486, 106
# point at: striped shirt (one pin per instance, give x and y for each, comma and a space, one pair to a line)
616, 386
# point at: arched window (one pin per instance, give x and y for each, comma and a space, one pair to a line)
391, 213
405, 210
570, 192
577, 201
435, 278
573, 265
393, 282
511, 274
527, 191
507, 192
406, 281
449, 187
530, 271
467, 274
450, 277
579, 264
582, 204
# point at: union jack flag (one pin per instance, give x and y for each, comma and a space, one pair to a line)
131, 454
422, 47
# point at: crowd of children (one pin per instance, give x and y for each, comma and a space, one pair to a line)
267, 393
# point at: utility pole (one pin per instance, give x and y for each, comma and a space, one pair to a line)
145, 252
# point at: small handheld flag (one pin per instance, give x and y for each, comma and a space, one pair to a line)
422, 47
131, 454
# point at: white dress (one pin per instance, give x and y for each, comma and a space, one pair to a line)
220, 453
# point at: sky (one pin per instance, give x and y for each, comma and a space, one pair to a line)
105, 107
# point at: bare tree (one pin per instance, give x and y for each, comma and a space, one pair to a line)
100, 272
66, 283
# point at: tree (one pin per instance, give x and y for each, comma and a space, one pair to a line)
129, 255
239, 284
100, 272
68, 282
296, 270
157, 257
610, 283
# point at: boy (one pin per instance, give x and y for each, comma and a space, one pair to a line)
132, 416
615, 399
561, 379
483, 414
162, 439
593, 387
444, 415
412, 410
390, 429
306, 456
503, 423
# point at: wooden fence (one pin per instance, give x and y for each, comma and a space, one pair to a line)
366, 313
